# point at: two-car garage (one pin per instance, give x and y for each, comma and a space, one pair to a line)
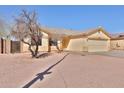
95, 41
88, 45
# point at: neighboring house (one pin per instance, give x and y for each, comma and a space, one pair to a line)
117, 41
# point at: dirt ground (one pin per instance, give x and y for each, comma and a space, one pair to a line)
73, 70
17, 69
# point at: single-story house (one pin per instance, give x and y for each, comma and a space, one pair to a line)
93, 40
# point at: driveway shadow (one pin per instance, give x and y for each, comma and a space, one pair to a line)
40, 76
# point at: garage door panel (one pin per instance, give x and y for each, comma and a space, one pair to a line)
97, 45
96, 48
97, 42
76, 44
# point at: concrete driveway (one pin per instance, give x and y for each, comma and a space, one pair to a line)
77, 71
113, 53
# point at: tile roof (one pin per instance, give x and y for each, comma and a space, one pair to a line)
68, 31
117, 36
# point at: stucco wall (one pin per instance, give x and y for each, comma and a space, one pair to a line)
43, 47
65, 42
117, 44
8, 46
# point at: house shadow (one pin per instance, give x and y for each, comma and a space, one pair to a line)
40, 76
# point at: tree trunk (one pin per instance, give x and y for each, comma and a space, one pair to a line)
36, 50
49, 48
32, 52
57, 47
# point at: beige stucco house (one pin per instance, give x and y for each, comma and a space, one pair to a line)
93, 40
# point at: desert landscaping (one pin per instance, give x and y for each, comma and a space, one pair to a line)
66, 69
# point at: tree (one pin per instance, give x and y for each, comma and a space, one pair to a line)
27, 30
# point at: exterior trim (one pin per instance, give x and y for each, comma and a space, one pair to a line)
98, 30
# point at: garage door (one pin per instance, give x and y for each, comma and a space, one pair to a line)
75, 44
97, 45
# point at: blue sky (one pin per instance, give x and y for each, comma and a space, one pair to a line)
72, 17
